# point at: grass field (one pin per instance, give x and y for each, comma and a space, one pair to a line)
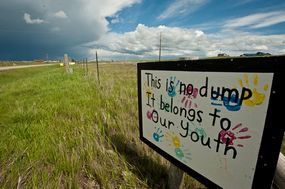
66, 131
61, 130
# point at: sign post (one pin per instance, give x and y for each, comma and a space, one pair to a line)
218, 120
175, 177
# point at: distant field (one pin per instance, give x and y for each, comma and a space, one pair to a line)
61, 130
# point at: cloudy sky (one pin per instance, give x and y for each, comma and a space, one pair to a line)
130, 29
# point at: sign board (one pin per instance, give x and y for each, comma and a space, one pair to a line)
219, 120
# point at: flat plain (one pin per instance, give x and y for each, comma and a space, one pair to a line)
60, 130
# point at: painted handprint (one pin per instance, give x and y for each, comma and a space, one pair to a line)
150, 115
157, 135
234, 134
257, 96
201, 132
171, 88
187, 99
231, 104
174, 139
181, 153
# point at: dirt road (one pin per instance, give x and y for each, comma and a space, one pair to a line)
26, 66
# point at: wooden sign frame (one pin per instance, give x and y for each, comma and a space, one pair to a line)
273, 129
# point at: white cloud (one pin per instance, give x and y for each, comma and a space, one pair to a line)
116, 19
242, 2
29, 20
181, 7
60, 14
271, 21
87, 21
111, 7
143, 42
258, 20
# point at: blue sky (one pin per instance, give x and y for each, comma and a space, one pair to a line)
204, 14
130, 29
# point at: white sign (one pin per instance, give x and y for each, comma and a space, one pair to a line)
211, 122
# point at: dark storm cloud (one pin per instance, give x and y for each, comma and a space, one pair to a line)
32, 29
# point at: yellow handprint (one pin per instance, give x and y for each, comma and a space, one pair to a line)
174, 139
257, 97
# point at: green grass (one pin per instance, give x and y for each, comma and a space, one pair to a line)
61, 130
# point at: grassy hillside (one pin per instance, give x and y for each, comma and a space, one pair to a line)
66, 131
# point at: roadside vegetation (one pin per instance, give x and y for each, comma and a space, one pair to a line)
61, 130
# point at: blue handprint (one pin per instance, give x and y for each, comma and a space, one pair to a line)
157, 135
232, 104
172, 88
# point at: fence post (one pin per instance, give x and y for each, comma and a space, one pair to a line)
97, 68
66, 63
86, 65
279, 177
175, 177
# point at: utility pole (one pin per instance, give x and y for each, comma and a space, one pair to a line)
159, 56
